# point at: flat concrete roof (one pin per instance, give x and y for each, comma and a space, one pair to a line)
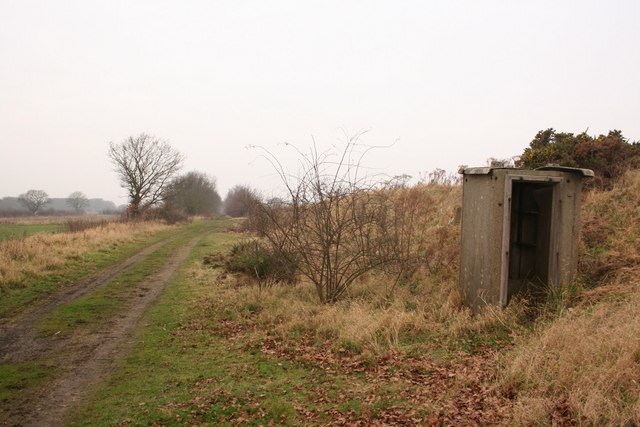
588, 173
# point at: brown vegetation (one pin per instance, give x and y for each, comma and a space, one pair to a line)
585, 363
373, 314
411, 340
58, 219
338, 224
611, 232
573, 359
40, 254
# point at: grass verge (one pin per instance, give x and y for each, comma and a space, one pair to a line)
20, 380
36, 265
89, 311
215, 352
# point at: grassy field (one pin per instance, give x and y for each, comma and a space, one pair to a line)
36, 265
93, 310
217, 349
17, 231
90, 311
231, 353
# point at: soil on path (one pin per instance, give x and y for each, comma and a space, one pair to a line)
83, 359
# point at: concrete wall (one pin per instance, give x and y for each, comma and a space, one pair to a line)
486, 213
482, 221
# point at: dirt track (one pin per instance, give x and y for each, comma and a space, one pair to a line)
83, 359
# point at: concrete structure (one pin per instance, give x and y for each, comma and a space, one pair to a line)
519, 231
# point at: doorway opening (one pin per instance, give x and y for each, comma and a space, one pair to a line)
530, 238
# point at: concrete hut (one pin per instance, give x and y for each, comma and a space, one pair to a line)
520, 231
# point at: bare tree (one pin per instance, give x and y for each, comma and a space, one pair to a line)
33, 200
144, 165
78, 201
240, 200
338, 223
192, 194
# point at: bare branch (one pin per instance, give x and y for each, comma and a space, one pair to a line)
33, 200
340, 223
78, 201
144, 165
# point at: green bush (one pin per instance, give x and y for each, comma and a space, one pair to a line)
261, 262
609, 156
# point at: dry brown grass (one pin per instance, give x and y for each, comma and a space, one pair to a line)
36, 255
57, 219
377, 314
417, 318
579, 363
611, 233
585, 364
588, 360
436, 228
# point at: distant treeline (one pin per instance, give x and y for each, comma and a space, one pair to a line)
9, 206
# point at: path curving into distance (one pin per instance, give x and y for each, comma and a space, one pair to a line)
85, 358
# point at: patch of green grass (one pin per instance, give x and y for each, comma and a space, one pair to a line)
180, 372
17, 377
18, 231
89, 311
187, 369
16, 296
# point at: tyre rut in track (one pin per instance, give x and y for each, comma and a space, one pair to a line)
18, 339
89, 357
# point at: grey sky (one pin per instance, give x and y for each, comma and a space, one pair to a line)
455, 82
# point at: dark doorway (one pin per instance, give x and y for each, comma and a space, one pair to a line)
530, 238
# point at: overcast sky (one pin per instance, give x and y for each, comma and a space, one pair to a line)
454, 82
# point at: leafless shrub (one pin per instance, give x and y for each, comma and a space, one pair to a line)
339, 222
78, 225
440, 177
